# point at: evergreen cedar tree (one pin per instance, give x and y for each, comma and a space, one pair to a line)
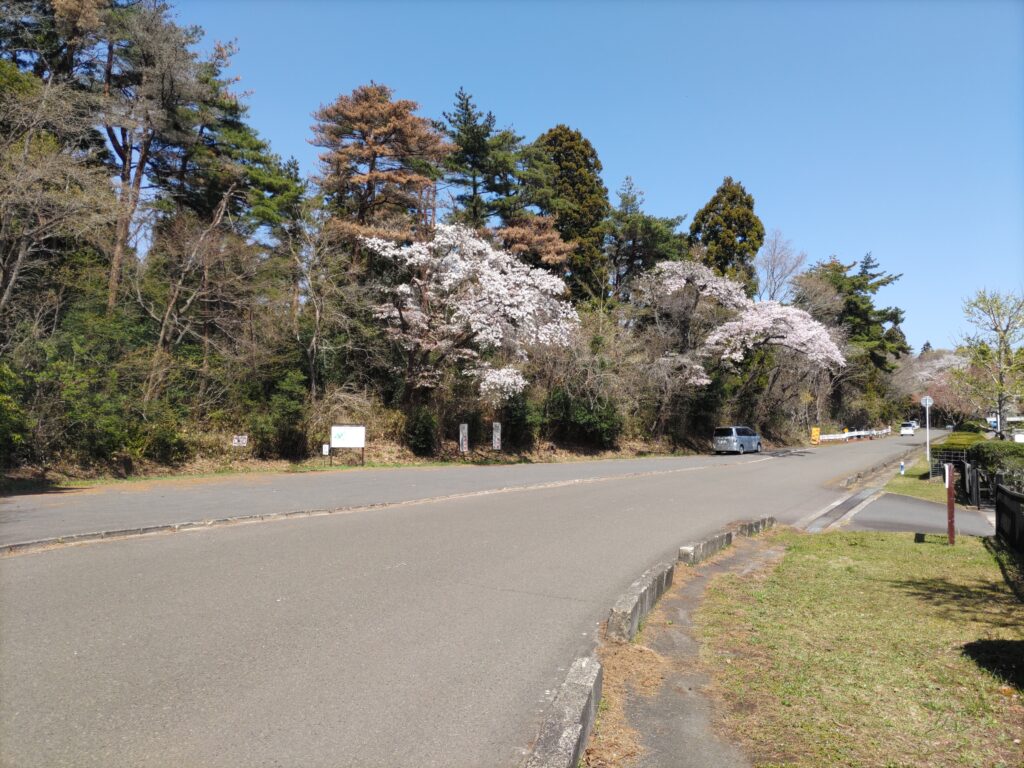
571, 190
730, 232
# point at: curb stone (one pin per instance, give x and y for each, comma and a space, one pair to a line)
566, 731
630, 609
852, 479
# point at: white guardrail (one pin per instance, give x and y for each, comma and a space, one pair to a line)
856, 435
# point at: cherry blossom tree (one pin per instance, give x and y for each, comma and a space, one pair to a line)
714, 319
457, 299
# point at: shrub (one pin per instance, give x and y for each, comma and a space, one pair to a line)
13, 424
999, 457
421, 432
278, 429
520, 422
583, 420
959, 441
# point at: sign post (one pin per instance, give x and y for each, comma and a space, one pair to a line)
496, 435
349, 436
950, 508
927, 402
463, 438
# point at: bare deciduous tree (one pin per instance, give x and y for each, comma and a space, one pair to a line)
777, 263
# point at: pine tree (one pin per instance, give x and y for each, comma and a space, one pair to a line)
380, 160
636, 241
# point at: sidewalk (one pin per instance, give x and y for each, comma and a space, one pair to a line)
665, 707
893, 512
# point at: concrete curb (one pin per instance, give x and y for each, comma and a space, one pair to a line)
852, 479
565, 732
630, 609
698, 551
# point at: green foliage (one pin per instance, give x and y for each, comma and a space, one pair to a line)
520, 423
13, 423
1000, 457
730, 232
971, 426
874, 330
636, 241
568, 186
482, 164
958, 441
278, 430
421, 432
582, 420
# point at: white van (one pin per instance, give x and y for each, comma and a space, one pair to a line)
736, 440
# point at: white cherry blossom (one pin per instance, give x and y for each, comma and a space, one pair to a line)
461, 297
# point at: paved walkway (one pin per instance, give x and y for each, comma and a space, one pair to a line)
892, 512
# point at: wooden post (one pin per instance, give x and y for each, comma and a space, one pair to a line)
950, 514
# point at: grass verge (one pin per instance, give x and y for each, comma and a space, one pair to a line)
866, 649
916, 483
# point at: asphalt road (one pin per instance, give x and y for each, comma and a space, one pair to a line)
428, 634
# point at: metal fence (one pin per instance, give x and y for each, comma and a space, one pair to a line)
945, 456
1010, 517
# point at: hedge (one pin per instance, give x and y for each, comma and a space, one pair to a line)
1000, 457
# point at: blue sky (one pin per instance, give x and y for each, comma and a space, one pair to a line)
890, 127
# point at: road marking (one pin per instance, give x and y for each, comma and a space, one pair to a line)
60, 542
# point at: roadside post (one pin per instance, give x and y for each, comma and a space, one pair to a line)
903, 468
326, 450
463, 438
927, 402
950, 509
496, 435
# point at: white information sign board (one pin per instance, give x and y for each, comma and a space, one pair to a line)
326, 449
496, 435
348, 436
464, 438
239, 441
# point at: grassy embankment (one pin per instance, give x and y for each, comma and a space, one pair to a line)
916, 483
866, 649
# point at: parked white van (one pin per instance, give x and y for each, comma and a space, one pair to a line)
736, 440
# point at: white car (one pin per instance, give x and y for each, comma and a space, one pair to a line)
907, 428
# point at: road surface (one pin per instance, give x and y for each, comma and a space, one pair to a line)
424, 634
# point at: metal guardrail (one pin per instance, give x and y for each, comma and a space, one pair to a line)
844, 436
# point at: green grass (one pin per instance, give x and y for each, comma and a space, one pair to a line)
916, 483
866, 649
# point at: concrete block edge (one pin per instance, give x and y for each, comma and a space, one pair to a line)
566, 730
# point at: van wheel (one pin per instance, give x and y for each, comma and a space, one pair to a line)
758, 449
741, 450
